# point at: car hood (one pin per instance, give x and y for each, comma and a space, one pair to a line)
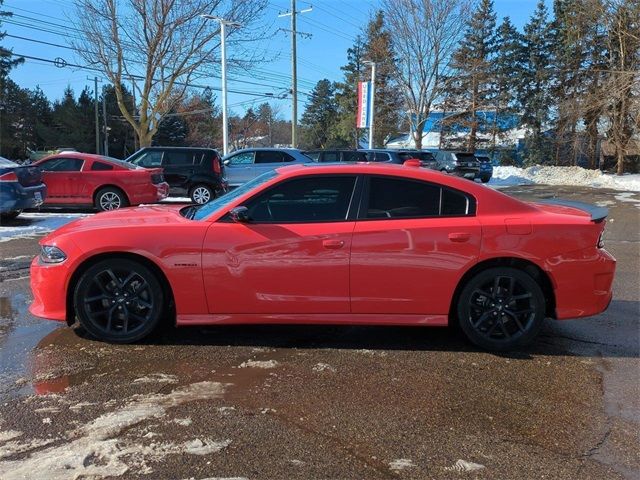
124, 218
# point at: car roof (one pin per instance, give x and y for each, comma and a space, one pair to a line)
80, 155
158, 147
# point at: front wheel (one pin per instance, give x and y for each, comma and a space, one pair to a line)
501, 309
201, 194
118, 300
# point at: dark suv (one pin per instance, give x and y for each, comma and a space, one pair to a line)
336, 155
197, 172
461, 164
389, 155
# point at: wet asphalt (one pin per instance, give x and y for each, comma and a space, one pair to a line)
287, 402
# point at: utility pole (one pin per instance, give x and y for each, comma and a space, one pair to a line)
373, 102
133, 113
95, 104
104, 121
294, 68
223, 53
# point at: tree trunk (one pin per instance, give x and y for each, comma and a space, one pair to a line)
417, 135
145, 139
620, 155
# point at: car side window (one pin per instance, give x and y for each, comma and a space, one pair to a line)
101, 166
245, 158
177, 157
304, 200
315, 156
401, 198
354, 157
62, 165
331, 157
382, 157
271, 156
151, 158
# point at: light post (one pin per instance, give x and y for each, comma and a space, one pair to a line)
373, 101
225, 121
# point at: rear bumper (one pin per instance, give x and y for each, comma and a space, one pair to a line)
151, 193
16, 197
583, 282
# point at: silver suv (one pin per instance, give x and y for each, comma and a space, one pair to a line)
244, 165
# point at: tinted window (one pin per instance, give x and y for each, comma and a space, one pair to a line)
62, 165
465, 157
454, 203
150, 158
269, 156
354, 157
177, 157
381, 157
310, 199
101, 166
241, 158
313, 155
393, 198
331, 157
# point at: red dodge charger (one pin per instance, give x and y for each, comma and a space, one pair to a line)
75, 179
366, 244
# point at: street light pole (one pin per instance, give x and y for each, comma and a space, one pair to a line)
373, 102
223, 53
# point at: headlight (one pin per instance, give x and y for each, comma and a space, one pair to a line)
51, 254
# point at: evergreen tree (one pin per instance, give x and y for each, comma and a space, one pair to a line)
7, 60
203, 119
320, 115
474, 75
172, 131
535, 95
345, 133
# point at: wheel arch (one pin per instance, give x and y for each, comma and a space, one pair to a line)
109, 185
150, 264
538, 274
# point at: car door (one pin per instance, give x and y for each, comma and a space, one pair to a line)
411, 244
239, 168
267, 160
63, 178
292, 257
178, 167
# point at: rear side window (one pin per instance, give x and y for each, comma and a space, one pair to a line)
179, 157
62, 165
304, 200
401, 198
273, 157
101, 166
331, 157
354, 157
381, 157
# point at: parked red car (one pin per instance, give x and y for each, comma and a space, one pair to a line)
331, 244
75, 179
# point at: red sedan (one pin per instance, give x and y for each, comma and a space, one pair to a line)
75, 179
370, 244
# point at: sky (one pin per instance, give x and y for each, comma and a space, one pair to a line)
333, 25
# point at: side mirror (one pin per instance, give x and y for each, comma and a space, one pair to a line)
239, 214
226, 162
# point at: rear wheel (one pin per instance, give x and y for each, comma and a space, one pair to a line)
110, 198
485, 179
10, 215
501, 309
118, 300
201, 193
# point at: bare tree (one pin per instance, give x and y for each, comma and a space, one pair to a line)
424, 35
161, 45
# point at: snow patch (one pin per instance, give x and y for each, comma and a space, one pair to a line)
185, 422
464, 466
401, 464
157, 378
259, 364
321, 367
97, 448
9, 435
29, 225
552, 175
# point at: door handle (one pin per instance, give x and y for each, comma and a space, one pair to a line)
459, 237
333, 244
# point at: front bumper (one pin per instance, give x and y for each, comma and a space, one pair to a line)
583, 282
49, 286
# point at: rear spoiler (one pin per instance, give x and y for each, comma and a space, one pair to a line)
598, 214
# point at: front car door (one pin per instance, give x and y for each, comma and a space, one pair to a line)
63, 178
239, 168
293, 255
411, 244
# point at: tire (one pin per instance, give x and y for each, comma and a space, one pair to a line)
485, 179
110, 198
201, 193
501, 309
119, 301
12, 215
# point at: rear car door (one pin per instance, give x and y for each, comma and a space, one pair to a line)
411, 243
292, 257
239, 168
64, 180
178, 167
267, 160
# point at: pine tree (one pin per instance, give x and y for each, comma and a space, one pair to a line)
345, 133
7, 60
320, 115
474, 81
535, 95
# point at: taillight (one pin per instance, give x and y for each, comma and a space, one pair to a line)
216, 165
9, 177
601, 240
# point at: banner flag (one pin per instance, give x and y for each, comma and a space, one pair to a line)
363, 116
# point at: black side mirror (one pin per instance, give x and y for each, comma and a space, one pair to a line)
239, 214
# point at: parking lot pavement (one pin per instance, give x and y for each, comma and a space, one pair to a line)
276, 402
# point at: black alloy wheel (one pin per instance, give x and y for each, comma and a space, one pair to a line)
118, 300
501, 309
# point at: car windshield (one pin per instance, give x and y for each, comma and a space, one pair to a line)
204, 211
7, 163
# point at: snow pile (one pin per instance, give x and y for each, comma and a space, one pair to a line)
35, 224
552, 175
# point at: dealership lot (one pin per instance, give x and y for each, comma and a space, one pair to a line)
325, 402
